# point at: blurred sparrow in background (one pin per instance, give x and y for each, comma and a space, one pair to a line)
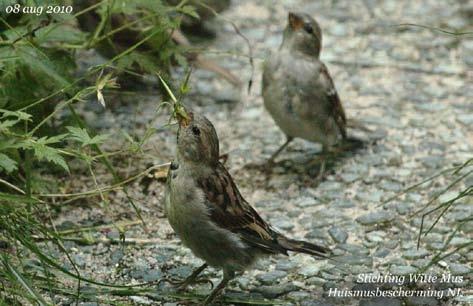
297, 89
206, 210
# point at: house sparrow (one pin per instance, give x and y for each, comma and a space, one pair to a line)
297, 88
208, 213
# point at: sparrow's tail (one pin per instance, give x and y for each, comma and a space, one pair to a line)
303, 247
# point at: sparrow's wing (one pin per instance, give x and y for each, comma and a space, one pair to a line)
336, 108
229, 210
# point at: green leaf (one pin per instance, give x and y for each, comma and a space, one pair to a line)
50, 140
190, 10
8, 164
39, 62
43, 152
82, 136
18, 114
78, 134
5, 125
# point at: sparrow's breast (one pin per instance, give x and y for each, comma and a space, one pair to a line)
294, 98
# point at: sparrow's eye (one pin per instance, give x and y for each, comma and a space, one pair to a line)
308, 28
195, 131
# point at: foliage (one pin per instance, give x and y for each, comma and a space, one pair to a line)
40, 131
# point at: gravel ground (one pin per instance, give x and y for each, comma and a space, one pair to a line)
412, 90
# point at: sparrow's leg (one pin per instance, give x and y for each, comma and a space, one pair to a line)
275, 154
191, 278
227, 276
320, 176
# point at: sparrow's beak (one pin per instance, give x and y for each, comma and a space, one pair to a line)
295, 21
183, 117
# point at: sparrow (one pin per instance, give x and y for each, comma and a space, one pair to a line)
209, 214
298, 90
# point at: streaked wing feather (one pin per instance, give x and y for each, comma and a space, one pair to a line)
229, 210
338, 112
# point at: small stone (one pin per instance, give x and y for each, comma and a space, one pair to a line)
466, 119
356, 260
375, 218
391, 186
373, 196
116, 256
152, 275
432, 161
459, 269
402, 270
317, 281
272, 277
349, 177
378, 301
404, 208
420, 263
271, 292
113, 234
286, 265
307, 202
139, 300
354, 249
79, 260
415, 254
298, 295
309, 270
338, 235
283, 223
382, 252
457, 241
181, 271
422, 301
376, 236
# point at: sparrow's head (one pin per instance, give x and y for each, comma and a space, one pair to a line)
197, 140
303, 34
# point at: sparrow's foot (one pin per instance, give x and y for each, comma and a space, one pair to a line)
191, 279
320, 176
275, 154
218, 290
321, 162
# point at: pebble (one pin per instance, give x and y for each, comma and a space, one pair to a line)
309, 270
116, 256
286, 265
466, 119
272, 277
459, 269
422, 301
271, 292
415, 254
402, 270
380, 301
307, 202
338, 235
375, 218
376, 236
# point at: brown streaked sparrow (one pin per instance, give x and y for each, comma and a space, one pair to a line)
297, 88
208, 213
